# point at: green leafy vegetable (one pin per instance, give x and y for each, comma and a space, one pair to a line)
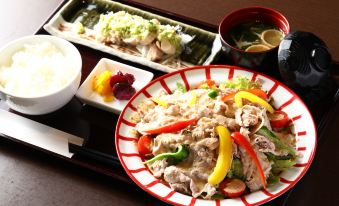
236, 169
218, 197
241, 83
280, 163
272, 179
277, 142
181, 87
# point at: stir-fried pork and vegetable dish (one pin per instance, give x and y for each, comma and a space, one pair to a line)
215, 141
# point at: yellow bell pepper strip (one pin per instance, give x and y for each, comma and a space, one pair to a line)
242, 141
180, 154
160, 102
174, 127
193, 99
224, 160
253, 98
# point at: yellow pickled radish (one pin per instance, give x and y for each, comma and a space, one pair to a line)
101, 83
108, 98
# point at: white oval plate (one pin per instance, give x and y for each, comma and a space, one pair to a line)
285, 99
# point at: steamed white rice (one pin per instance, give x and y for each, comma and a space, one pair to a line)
36, 70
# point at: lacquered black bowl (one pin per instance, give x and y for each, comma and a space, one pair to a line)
263, 61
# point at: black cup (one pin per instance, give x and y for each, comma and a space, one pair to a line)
263, 61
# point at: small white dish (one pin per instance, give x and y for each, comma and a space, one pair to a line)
86, 94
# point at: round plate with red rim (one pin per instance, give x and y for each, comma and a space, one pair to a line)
284, 99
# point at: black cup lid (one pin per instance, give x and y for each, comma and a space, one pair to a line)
321, 58
302, 51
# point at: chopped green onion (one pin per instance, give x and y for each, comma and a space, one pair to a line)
80, 29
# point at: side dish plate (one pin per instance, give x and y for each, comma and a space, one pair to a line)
86, 94
286, 100
202, 50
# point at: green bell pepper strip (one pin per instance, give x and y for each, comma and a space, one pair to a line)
283, 164
180, 154
224, 160
212, 93
264, 131
272, 179
236, 169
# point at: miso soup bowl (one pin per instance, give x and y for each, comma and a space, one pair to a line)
263, 61
42, 104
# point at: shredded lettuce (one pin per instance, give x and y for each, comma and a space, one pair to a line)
241, 83
181, 87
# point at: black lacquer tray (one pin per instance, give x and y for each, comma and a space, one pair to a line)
97, 127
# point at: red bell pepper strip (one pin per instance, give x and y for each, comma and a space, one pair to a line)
242, 141
174, 127
209, 83
228, 96
259, 92
278, 119
145, 145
